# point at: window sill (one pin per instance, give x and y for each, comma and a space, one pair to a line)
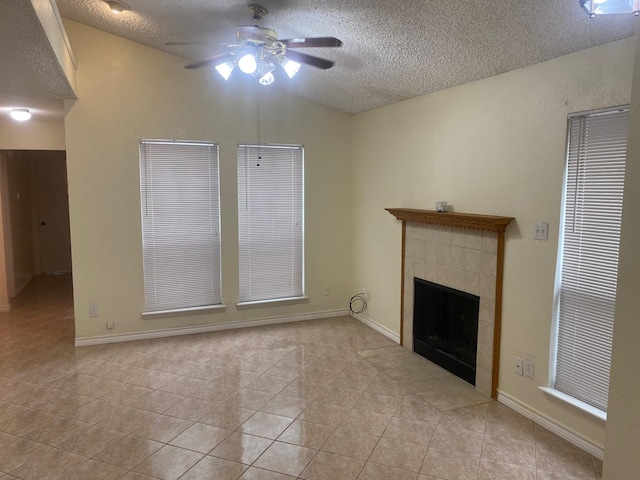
574, 402
183, 311
284, 301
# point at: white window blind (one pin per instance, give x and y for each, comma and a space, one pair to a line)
588, 254
270, 222
180, 224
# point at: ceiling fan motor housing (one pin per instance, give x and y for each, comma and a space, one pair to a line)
256, 35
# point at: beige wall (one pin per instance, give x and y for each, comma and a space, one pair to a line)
495, 146
128, 92
622, 454
20, 253
6, 270
36, 134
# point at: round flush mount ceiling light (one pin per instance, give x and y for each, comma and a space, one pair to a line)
20, 114
117, 6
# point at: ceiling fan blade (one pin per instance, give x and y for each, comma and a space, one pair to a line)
219, 44
215, 60
312, 42
172, 44
309, 60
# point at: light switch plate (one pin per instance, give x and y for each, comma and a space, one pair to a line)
541, 231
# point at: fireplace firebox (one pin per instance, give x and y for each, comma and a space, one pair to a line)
445, 327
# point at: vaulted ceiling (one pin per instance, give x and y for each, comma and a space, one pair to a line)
393, 50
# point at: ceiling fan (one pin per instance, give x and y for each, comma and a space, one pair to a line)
258, 51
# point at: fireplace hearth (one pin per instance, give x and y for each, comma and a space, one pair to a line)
445, 327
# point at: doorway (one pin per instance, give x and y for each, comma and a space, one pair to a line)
35, 210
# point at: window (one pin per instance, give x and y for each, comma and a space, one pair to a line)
270, 222
180, 224
588, 254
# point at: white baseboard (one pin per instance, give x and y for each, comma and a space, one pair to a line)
5, 308
377, 327
174, 332
560, 430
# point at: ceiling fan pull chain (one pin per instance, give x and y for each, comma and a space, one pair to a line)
258, 128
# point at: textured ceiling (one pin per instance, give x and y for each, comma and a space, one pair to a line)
393, 50
30, 74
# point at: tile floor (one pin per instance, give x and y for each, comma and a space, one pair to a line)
327, 399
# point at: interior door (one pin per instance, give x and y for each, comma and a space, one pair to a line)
50, 182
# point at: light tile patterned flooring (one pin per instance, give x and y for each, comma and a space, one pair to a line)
327, 399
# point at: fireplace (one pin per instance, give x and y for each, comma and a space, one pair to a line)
445, 327
461, 251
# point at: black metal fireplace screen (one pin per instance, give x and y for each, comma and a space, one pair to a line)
445, 327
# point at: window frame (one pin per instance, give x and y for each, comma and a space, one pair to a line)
588, 191
247, 152
201, 176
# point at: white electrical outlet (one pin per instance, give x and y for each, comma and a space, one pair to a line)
327, 290
541, 231
518, 366
367, 294
110, 324
93, 310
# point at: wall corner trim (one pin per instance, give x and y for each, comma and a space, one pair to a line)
377, 327
560, 430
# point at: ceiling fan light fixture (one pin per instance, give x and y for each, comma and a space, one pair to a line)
606, 7
20, 114
266, 79
225, 69
248, 64
117, 6
290, 67
258, 51
265, 66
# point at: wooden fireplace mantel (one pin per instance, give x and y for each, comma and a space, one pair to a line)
473, 221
